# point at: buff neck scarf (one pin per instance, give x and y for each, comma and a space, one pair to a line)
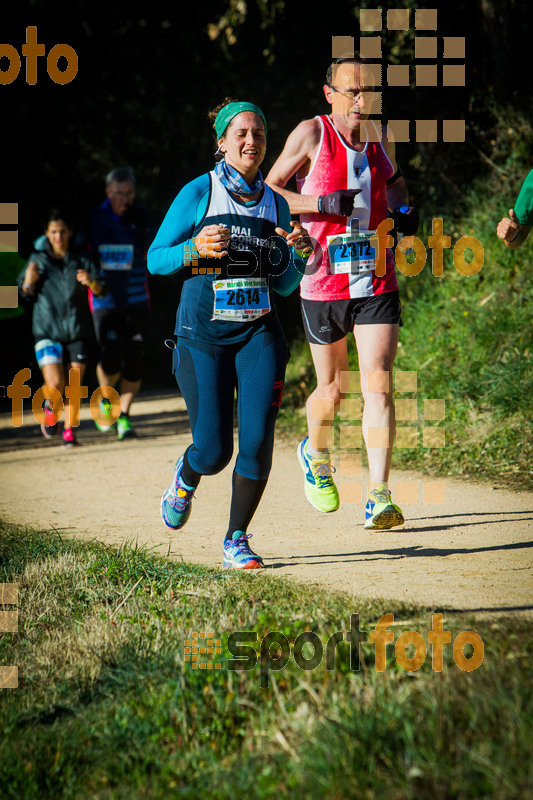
234, 181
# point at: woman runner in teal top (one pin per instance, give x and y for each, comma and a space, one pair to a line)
228, 234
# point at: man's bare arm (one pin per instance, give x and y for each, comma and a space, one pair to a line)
300, 148
397, 192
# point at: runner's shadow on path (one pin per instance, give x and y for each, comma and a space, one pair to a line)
148, 426
416, 551
414, 529
163, 423
487, 610
475, 514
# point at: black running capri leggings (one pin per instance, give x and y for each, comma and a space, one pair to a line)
120, 336
208, 375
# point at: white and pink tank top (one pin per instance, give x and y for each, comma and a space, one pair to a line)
338, 166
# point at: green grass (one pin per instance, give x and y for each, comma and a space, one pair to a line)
469, 341
107, 707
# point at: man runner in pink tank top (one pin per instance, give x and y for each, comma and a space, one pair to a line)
347, 184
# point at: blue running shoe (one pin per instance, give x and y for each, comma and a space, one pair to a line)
320, 490
380, 513
176, 501
238, 555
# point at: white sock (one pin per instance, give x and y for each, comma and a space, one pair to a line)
316, 453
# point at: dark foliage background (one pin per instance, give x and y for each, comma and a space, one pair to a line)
147, 79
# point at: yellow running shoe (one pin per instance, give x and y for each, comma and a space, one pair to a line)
319, 487
380, 513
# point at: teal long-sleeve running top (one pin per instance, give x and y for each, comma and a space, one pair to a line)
234, 301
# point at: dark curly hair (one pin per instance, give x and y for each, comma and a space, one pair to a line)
212, 115
54, 215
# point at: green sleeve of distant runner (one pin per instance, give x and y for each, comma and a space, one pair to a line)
523, 208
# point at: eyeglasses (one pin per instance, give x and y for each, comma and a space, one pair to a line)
351, 94
124, 195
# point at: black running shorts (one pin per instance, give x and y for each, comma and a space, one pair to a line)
49, 351
328, 321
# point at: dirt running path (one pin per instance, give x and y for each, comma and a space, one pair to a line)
472, 553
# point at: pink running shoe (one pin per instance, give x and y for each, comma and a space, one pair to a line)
69, 440
49, 430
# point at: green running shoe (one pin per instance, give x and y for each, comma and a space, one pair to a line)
124, 427
319, 487
105, 409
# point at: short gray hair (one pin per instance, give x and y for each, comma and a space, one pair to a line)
120, 174
332, 69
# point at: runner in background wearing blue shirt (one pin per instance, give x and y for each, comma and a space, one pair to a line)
227, 232
117, 237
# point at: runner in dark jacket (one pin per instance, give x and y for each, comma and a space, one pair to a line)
55, 281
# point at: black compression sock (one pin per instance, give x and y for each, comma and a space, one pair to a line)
190, 477
245, 498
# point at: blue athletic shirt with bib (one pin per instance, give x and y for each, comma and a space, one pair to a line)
234, 302
118, 245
